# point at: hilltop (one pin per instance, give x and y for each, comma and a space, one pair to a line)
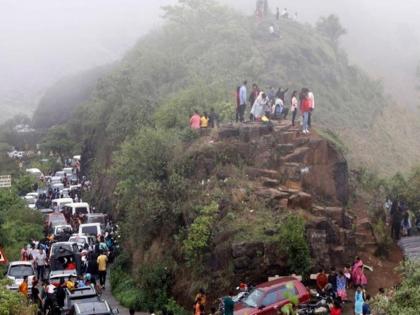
200, 63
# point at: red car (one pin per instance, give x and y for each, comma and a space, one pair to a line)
267, 298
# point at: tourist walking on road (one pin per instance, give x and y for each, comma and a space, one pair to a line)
102, 264
40, 262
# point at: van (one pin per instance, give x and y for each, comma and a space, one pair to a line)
58, 204
90, 229
34, 172
68, 171
60, 174
76, 208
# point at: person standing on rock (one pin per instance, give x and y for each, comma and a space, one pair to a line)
242, 100
342, 286
312, 99
294, 106
357, 275
305, 108
195, 120
358, 301
253, 97
281, 94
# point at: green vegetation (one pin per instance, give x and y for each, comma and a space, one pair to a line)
295, 245
404, 300
59, 142
149, 292
13, 303
18, 224
200, 232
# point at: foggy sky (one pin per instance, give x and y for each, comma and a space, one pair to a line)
44, 40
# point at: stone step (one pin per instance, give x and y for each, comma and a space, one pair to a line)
298, 156
254, 173
300, 200
269, 182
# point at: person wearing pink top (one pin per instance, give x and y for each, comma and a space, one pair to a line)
195, 120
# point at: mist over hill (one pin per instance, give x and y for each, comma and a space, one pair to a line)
42, 42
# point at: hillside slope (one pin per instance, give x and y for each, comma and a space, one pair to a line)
200, 63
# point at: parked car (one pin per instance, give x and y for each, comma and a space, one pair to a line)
16, 271
96, 218
83, 241
65, 256
60, 174
77, 208
57, 275
34, 172
68, 171
80, 295
94, 229
55, 180
58, 204
55, 219
30, 201
267, 298
100, 307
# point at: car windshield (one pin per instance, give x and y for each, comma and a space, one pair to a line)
20, 271
80, 240
81, 210
91, 230
253, 299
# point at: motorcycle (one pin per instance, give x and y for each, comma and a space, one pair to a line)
319, 308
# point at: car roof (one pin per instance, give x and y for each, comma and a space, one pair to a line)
62, 273
78, 204
100, 307
20, 263
81, 292
275, 283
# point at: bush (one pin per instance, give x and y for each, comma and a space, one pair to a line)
199, 234
405, 299
13, 303
294, 244
383, 239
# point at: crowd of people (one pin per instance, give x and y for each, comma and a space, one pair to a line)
401, 218
204, 121
338, 282
272, 105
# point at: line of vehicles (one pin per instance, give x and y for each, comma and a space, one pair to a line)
73, 235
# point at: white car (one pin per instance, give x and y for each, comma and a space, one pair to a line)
83, 241
58, 204
34, 172
68, 171
60, 229
55, 180
30, 201
94, 229
60, 174
17, 270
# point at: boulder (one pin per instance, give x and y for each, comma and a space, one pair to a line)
247, 249
285, 149
300, 200
336, 214
228, 132
253, 173
271, 193
270, 183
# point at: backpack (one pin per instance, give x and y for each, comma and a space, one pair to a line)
277, 111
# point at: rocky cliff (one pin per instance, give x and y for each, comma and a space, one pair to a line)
280, 172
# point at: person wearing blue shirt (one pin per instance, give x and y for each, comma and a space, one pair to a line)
366, 306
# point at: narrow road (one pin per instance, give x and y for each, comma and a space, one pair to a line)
113, 303
410, 247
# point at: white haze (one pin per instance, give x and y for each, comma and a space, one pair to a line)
44, 40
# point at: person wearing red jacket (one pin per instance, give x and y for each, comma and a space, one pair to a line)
305, 108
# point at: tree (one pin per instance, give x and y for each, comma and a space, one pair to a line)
58, 142
331, 27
